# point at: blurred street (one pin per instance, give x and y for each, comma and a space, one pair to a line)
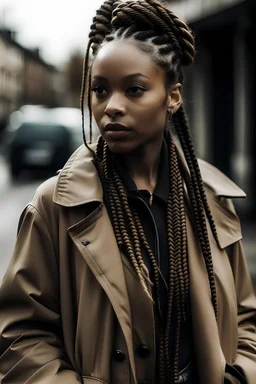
14, 196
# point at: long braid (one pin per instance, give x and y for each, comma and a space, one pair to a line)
182, 117
160, 33
135, 228
178, 263
199, 205
100, 28
82, 96
134, 239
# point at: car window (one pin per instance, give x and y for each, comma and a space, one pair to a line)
39, 131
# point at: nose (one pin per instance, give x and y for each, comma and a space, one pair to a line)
115, 106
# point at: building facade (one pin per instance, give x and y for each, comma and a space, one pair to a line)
25, 78
219, 87
38, 80
11, 76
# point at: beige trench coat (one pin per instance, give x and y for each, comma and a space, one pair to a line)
69, 300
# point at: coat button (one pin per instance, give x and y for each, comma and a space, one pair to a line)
119, 355
143, 350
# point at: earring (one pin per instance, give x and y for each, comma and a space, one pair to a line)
169, 112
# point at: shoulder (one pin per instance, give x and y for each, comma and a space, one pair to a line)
40, 212
41, 207
43, 195
76, 184
214, 180
218, 182
220, 191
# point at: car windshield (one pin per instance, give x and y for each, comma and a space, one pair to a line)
41, 131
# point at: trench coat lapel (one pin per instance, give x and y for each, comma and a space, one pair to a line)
95, 239
211, 361
78, 185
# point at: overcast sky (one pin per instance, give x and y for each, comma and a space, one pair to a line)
55, 26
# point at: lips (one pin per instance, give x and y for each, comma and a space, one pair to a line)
116, 127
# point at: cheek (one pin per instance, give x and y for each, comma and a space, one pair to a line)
97, 109
155, 110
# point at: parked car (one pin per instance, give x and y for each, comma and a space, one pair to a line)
42, 138
71, 117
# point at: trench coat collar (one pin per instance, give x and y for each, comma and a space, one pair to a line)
78, 185
217, 186
213, 178
78, 182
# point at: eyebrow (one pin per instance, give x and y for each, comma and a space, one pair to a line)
128, 77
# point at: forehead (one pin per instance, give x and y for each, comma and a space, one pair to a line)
117, 59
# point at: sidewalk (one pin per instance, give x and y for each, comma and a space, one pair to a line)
4, 174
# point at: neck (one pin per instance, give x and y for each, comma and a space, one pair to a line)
143, 166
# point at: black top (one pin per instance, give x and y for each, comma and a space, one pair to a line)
152, 211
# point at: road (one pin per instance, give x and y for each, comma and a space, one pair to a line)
14, 196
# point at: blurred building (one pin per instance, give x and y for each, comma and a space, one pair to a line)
73, 74
38, 80
219, 88
11, 75
25, 78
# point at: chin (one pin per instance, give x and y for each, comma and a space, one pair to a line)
121, 147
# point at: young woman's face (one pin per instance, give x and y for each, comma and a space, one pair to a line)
129, 97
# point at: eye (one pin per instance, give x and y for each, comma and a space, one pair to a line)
99, 91
135, 91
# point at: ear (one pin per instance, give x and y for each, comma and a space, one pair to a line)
174, 100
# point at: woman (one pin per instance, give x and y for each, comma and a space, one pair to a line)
128, 266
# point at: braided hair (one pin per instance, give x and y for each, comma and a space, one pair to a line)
156, 30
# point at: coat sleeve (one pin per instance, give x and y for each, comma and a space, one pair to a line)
246, 307
31, 342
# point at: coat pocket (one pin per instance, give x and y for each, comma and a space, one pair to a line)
92, 380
